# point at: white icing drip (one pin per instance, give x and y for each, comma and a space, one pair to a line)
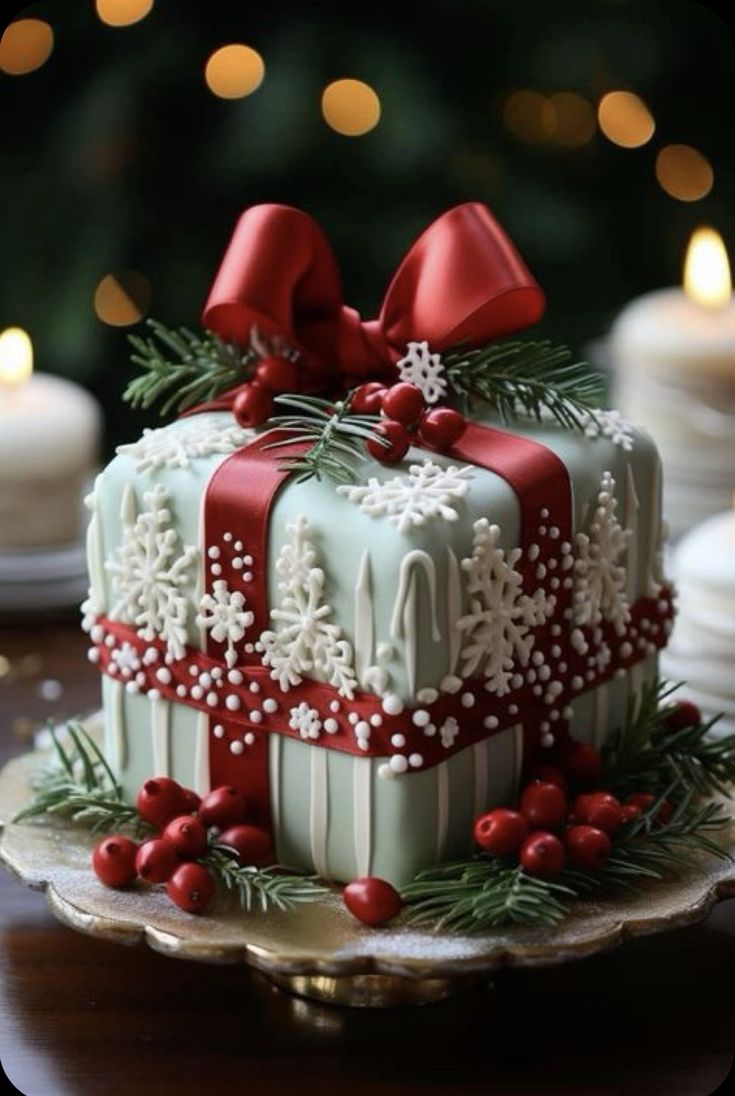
274, 772
118, 727
480, 764
364, 624
97, 602
362, 814
161, 736
410, 631
202, 780
454, 610
416, 558
600, 710
319, 810
632, 507
442, 808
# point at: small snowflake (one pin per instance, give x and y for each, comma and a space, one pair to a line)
305, 720
425, 370
600, 577
610, 424
428, 491
175, 446
126, 659
498, 628
149, 571
222, 613
449, 731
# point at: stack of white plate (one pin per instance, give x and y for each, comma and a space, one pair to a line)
43, 579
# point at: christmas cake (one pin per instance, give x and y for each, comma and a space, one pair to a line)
374, 570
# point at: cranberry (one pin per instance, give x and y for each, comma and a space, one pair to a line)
599, 809
373, 901
542, 854
187, 837
544, 806
113, 860
501, 831
160, 800
582, 762
252, 405
629, 812
251, 843
156, 860
398, 441
404, 402
442, 427
276, 374
587, 847
191, 887
645, 801
681, 715
549, 774
368, 398
224, 806
192, 801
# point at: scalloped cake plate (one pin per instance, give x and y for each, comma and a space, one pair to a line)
319, 949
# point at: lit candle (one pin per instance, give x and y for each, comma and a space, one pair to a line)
49, 434
674, 358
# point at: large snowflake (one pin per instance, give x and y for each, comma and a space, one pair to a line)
303, 640
225, 617
149, 571
498, 627
599, 575
425, 370
610, 424
428, 491
176, 445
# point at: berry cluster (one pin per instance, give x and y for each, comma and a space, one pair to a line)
253, 404
185, 826
405, 414
563, 817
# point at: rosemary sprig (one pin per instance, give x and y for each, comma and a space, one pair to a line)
527, 378
336, 433
264, 887
183, 368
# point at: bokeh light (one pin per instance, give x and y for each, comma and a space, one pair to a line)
350, 107
25, 46
123, 13
529, 116
122, 298
571, 119
684, 173
625, 119
234, 71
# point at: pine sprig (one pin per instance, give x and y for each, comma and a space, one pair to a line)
336, 434
642, 753
183, 368
267, 888
525, 378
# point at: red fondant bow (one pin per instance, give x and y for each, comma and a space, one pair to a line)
462, 280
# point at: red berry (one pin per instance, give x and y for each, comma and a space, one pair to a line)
224, 806
501, 831
683, 714
599, 809
160, 800
542, 854
645, 801
442, 427
187, 837
192, 801
582, 762
368, 398
397, 437
252, 845
629, 812
372, 900
191, 887
276, 374
549, 774
156, 860
113, 860
544, 806
587, 847
252, 405
404, 402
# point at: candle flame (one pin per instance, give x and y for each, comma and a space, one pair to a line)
707, 270
16, 357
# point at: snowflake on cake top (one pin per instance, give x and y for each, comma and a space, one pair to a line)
599, 575
425, 370
175, 446
428, 491
304, 641
305, 720
149, 571
498, 627
610, 424
223, 614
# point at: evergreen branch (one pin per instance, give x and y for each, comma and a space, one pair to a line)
264, 887
183, 368
525, 378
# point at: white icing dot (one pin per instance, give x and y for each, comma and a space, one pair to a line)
427, 696
566, 548
544, 513
197, 692
227, 537
398, 763
194, 671
541, 571
415, 760
133, 687
163, 675
248, 561
331, 726
552, 564
232, 702
467, 700
140, 678
562, 667
153, 694
537, 690
255, 716
392, 704
353, 718
545, 726
93, 654
234, 677
216, 673
237, 563
362, 729
376, 719
212, 700
531, 677
537, 658
363, 743
213, 552
547, 740
249, 738
247, 576
430, 730
218, 730
97, 633
254, 687
554, 532
450, 684
216, 568
556, 629
542, 530
626, 650
205, 680
398, 740
577, 682
553, 716
420, 718
237, 747
239, 546
513, 709
590, 675
181, 691
491, 722
110, 641
270, 705
516, 681
568, 583
533, 552
334, 706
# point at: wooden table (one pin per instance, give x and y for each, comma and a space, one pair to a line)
81, 1017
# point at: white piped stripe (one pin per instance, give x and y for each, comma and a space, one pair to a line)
362, 814
319, 809
160, 732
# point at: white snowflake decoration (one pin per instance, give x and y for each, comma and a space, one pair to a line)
599, 575
149, 571
425, 370
428, 491
223, 614
126, 659
175, 446
610, 424
448, 732
498, 628
305, 720
304, 641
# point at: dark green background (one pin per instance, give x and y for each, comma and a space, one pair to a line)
115, 155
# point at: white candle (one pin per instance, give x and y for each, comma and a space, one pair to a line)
49, 435
674, 358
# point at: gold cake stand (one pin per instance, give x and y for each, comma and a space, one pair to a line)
319, 950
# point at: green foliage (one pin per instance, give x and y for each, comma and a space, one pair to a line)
261, 887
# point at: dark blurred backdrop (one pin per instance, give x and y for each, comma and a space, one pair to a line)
116, 156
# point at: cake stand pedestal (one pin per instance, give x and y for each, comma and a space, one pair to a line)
319, 950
